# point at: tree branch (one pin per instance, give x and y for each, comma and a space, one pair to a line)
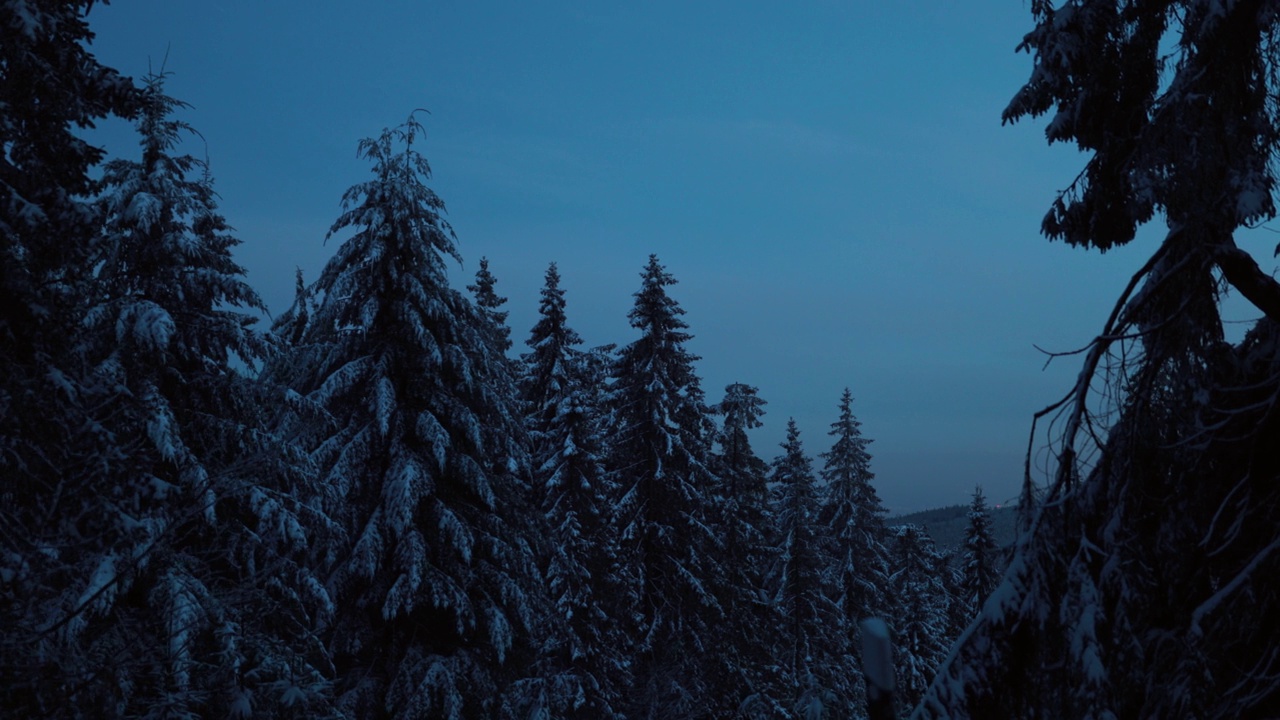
1242, 271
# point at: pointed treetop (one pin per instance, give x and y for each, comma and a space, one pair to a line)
793, 457
655, 311
397, 203
485, 295
742, 407
489, 302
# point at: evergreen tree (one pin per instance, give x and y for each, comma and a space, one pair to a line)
854, 518
980, 556
214, 515
659, 459
746, 534
853, 512
810, 645
418, 439
553, 366
586, 670
743, 472
1140, 587
920, 611
58, 520
490, 304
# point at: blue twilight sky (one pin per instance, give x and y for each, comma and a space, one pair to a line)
829, 181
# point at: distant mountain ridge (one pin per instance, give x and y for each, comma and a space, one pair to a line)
946, 525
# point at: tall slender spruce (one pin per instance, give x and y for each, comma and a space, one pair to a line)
659, 458
811, 646
586, 670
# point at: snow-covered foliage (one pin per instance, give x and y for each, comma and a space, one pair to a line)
811, 642
981, 557
490, 303
748, 553
585, 665
407, 410
1138, 584
659, 458
919, 616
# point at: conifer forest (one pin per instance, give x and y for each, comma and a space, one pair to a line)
387, 502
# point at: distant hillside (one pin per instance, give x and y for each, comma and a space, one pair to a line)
947, 525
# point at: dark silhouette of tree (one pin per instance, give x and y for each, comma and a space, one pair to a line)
920, 612
1138, 586
747, 667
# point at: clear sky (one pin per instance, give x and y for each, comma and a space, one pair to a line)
829, 182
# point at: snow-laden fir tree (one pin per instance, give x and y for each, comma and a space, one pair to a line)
215, 513
980, 557
1143, 583
659, 455
585, 668
919, 616
407, 409
811, 645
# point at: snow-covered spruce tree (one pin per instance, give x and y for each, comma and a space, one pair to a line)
408, 413
585, 667
209, 558
659, 457
852, 511
854, 516
980, 557
490, 304
747, 552
1144, 583
811, 645
919, 614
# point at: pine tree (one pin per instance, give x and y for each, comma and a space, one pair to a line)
919, 616
853, 512
660, 451
980, 556
854, 518
746, 534
1140, 585
553, 366
51, 86
411, 424
810, 643
55, 526
213, 524
490, 304
586, 671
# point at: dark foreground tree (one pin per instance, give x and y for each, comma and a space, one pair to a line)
1143, 583
405, 405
